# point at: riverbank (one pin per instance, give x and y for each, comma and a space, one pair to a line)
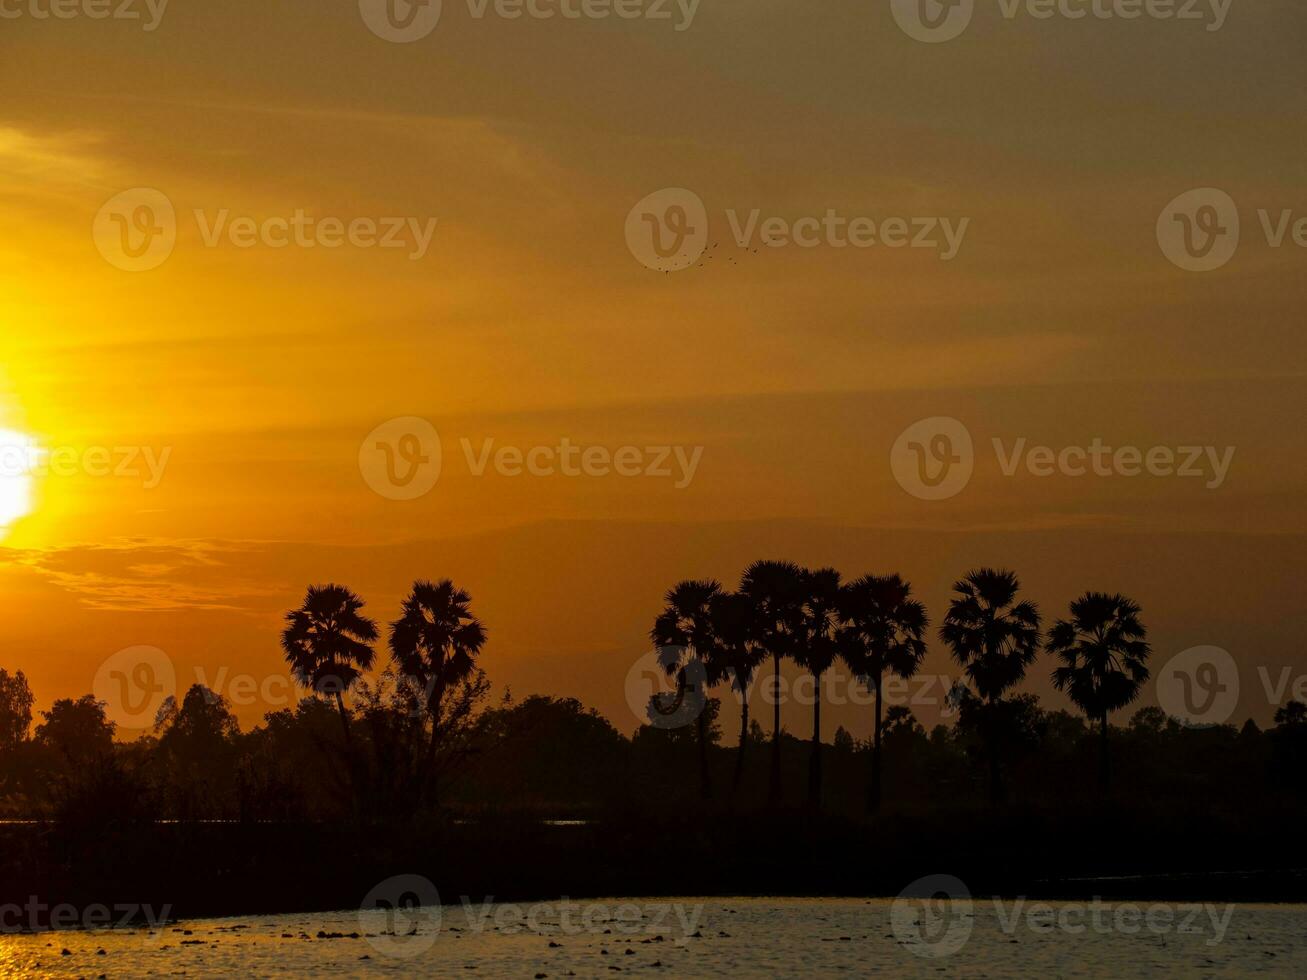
209, 869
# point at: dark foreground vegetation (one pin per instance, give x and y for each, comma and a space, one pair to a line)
417, 769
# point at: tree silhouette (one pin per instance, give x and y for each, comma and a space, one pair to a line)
883, 632
328, 644
435, 643
1104, 657
816, 650
737, 655
686, 624
1292, 714
15, 709
197, 749
78, 730
775, 588
994, 638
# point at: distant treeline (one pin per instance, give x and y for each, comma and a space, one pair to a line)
410, 766
422, 734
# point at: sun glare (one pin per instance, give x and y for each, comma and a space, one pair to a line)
20, 457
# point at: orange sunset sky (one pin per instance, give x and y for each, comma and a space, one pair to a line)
261, 370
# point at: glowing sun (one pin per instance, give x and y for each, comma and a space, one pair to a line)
20, 457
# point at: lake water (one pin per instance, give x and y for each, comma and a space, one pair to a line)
698, 938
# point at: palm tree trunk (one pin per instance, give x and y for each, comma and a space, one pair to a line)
995, 776
427, 791
814, 761
873, 790
705, 785
739, 752
344, 722
1104, 765
351, 763
774, 792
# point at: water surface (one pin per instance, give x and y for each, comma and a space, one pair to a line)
700, 938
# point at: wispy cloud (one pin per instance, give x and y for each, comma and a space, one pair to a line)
144, 575
27, 157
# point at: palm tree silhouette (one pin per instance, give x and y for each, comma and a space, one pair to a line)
686, 624
328, 643
1104, 657
775, 590
435, 643
816, 650
738, 655
994, 638
883, 631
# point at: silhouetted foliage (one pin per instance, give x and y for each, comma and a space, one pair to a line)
776, 590
434, 645
883, 630
426, 721
15, 709
994, 638
328, 643
1104, 659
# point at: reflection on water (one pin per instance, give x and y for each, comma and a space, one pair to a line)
701, 938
